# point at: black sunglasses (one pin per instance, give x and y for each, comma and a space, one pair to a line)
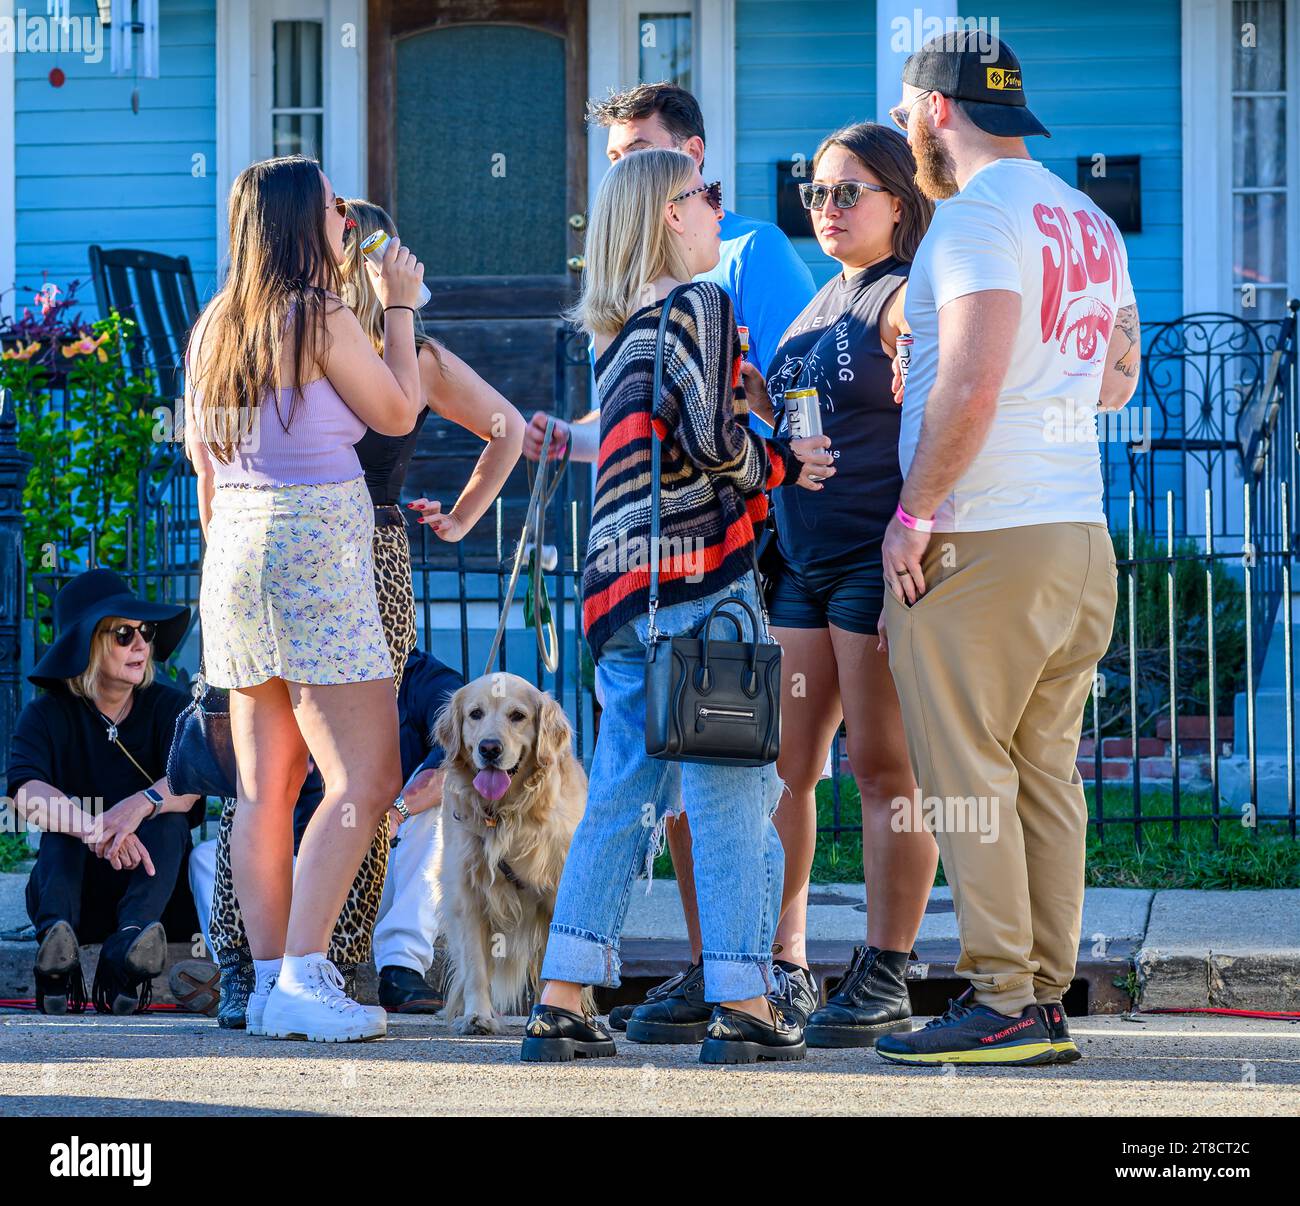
712, 193
124, 634
846, 194
339, 206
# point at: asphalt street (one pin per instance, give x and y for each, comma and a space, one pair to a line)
1146, 1066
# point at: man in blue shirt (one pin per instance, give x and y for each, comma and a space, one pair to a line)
769, 285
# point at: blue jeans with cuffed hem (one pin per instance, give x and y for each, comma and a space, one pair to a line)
739, 863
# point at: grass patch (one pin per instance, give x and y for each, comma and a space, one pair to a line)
14, 851
1243, 858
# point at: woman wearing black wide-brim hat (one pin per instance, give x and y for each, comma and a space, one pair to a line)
88, 769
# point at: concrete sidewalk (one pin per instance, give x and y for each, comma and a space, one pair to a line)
98, 1067
1152, 949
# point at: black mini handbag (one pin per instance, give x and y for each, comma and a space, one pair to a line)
201, 760
707, 700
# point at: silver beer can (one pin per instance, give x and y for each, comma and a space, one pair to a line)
804, 411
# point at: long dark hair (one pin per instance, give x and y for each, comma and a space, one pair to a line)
279, 257
885, 153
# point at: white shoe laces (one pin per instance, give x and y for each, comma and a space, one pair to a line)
326, 985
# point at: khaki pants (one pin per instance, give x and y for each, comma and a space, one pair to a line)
993, 665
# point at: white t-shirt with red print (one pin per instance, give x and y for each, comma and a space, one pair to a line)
1016, 226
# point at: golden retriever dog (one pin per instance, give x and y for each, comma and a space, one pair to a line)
513, 794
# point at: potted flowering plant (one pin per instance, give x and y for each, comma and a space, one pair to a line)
34, 339
86, 420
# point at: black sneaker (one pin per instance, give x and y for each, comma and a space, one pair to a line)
1067, 1051
680, 1016
619, 1015
796, 993
128, 962
403, 990
238, 979
869, 1002
973, 1034
738, 1038
60, 987
553, 1035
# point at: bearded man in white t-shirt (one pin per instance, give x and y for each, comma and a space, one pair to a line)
999, 562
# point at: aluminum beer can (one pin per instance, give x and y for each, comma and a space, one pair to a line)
739, 397
904, 346
804, 410
373, 249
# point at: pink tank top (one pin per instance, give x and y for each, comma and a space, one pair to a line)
317, 448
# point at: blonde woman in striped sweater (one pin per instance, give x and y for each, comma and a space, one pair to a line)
655, 226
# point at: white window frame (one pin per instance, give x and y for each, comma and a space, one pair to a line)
244, 57
1208, 39
265, 79
8, 175
613, 58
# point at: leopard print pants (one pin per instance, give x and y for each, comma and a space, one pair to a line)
351, 941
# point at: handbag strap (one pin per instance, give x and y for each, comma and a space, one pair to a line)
656, 460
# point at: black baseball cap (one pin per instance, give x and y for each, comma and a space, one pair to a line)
983, 74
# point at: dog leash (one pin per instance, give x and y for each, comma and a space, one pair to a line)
537, 607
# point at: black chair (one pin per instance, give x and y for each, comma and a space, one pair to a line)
157, 291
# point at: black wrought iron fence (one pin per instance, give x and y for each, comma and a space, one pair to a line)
1200, 479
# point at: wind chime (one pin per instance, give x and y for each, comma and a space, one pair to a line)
121, 38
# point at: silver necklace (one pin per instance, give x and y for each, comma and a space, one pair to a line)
112, 724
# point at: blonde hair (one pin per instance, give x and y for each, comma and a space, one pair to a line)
358, 290
86, 684
629, 242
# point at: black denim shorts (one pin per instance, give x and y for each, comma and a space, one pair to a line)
849, 596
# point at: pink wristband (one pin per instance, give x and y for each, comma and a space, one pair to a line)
911, 521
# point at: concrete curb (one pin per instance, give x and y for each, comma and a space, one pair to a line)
1221, 950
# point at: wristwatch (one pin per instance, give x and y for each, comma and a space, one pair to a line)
400, 805
155, 798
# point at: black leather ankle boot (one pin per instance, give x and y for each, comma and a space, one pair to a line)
870, 1001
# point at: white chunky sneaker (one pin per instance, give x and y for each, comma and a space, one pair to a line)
255, 1010
319, 1011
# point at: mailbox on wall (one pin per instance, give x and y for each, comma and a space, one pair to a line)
791, 216
1114, 182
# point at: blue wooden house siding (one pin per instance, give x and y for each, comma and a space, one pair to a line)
802, 69
88, 170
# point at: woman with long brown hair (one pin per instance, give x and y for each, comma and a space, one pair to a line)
283, 382
451, 389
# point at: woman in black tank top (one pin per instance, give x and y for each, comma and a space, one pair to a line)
827, 590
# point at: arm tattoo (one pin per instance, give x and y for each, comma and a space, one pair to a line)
1126, 321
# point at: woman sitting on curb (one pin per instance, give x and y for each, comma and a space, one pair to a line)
100, 732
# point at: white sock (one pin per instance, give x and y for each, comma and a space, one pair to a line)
293, 974
267, 970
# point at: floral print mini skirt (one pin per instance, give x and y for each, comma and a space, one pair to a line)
289, 587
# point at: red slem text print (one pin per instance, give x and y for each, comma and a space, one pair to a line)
1081, 249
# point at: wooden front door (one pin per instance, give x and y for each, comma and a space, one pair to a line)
477, 147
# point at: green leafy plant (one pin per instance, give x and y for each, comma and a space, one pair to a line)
85, 419
1190, 637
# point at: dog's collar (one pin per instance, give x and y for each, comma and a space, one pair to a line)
509, 872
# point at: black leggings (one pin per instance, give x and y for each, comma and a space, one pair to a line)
69, 883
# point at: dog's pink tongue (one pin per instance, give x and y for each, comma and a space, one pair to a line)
491, 784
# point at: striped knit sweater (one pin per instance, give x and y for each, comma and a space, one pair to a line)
714, 469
